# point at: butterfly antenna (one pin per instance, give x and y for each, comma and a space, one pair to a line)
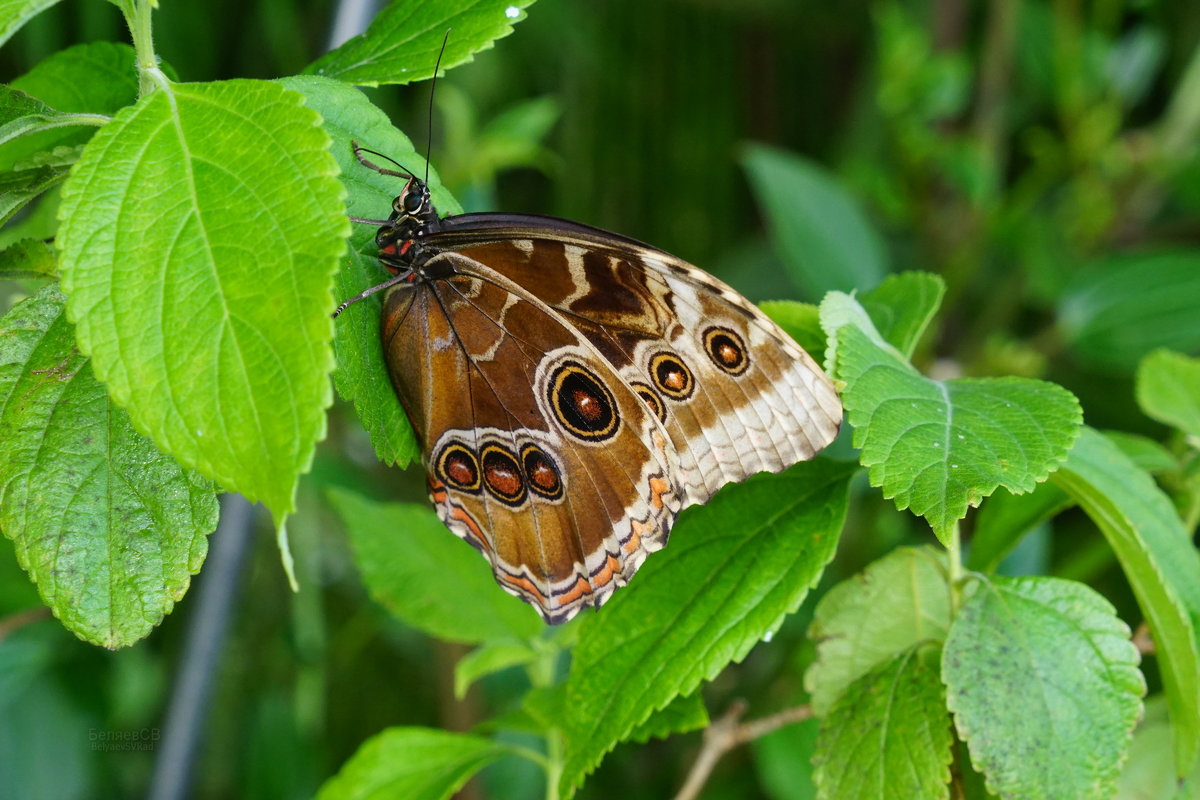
358, 153
432, 87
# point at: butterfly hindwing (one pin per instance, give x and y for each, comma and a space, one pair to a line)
537, 452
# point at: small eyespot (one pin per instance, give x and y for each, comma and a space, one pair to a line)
727, 350
671, 376
542, 473
502, 475
458, 468
651, 399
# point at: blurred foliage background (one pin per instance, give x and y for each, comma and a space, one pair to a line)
1039, 154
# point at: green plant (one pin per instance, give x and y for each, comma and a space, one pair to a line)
201, 242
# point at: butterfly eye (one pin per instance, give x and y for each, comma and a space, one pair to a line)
413, 202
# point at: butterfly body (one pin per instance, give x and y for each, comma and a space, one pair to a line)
573, 390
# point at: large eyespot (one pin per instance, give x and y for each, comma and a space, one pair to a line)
727, 350
651, 398
502, 475
671, 376
582, 404
458, 468
542, 472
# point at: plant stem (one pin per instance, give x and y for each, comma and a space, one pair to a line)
554, 763
139, 18
956, 568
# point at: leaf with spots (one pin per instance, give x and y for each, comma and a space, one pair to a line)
939, 447
900, 601
889, 734
1045, 688
110, 529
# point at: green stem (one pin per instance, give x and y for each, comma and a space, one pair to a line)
139, 17
554, 767
954, 546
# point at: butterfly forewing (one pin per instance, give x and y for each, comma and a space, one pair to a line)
735, 393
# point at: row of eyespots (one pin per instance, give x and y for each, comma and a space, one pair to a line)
673, 379
505, 475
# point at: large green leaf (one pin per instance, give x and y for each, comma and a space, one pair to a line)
1044, 686
938, 447
888, 736
1168, 390
411, 763
200, 233
109, 528
821, 232
1123, 308
897, 603
361, 374
403, 41
424, 575
734, 569
1159, 561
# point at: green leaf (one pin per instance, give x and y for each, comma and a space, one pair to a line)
200, 233
1005, 518
1159, 561
361, 376
820, 230
411, 763
888, 736
110, 529
15, 13
682, 715
734, 569
902, 306
1123, 308
938, 447
29, 258
423, 574
1149, 774
19, 188
403, 41
491, 656
1044, 686
1168, 390
93, 79
21, 115
897, 603
801, 321
1145, 452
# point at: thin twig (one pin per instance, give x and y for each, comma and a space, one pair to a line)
1143, 641
728, 732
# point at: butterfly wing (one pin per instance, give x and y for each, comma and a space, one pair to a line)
537, 452
735, 393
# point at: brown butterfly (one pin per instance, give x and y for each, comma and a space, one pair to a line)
573, 390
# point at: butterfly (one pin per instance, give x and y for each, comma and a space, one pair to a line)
573, 389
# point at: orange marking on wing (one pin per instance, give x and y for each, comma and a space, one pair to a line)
635, 540
581, 588
438, 493
601, 578
523, 583
658, 487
